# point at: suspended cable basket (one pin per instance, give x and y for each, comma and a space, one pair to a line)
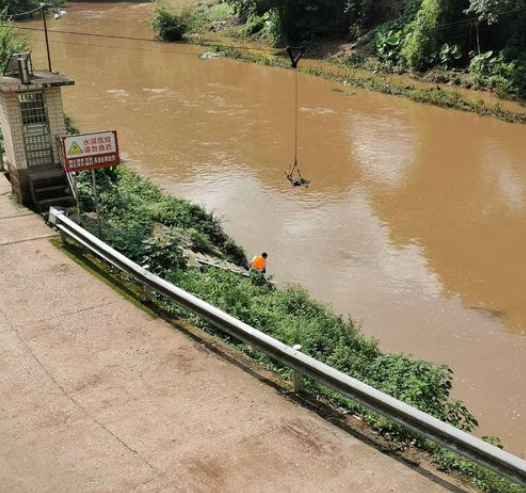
294, 174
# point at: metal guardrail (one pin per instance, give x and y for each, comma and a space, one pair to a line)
474, 449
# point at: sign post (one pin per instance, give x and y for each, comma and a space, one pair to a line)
96, 198
88, 152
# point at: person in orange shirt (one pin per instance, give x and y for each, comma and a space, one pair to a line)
259, 263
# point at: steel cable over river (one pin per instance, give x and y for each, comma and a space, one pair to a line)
415, 223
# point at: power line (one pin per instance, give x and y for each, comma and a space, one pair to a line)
117, 47
25, 14
476, 19
132, 38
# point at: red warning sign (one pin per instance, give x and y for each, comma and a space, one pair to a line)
89, 151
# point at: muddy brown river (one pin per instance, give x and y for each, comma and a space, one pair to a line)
415, 223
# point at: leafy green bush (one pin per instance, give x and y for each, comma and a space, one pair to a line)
421, 42
447, 55
199, 242
218, 12
388, 45
162, 255
171, 25
491, 71
429, 38
132, 208
261, 27
9, 43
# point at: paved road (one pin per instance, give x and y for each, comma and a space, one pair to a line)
98, 396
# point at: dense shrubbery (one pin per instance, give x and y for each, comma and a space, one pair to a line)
491, 71
9, 44
171, 24
425, 35
412, 35
137, 213
415, 35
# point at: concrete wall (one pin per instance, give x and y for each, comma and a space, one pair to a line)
11, 123
14, 154
55, 114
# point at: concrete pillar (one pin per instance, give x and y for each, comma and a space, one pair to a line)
55, 114
14, 153
12, 130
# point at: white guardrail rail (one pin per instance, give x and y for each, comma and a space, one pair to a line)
425, 425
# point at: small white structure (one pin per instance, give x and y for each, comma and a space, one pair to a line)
32, 120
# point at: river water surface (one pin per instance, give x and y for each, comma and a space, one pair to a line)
415, 223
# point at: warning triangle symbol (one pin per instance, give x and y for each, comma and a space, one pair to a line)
74, 150
295, 54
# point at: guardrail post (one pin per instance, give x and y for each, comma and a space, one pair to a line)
297, 376
148, 294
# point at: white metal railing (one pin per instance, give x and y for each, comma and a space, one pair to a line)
425, 425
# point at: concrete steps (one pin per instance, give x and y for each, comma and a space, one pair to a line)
49, 187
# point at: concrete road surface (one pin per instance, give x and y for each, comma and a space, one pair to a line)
98, 396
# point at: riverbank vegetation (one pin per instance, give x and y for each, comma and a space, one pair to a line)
154, 229
172, 21
379, 59
9, 42
355, 76
478, 43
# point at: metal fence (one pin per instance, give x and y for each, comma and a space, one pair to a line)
474, 449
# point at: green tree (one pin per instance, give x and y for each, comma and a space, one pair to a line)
9, 42
431, 29
491, 10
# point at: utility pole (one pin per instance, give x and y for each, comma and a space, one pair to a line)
43, 7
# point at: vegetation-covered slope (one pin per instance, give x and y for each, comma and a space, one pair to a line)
485, 37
